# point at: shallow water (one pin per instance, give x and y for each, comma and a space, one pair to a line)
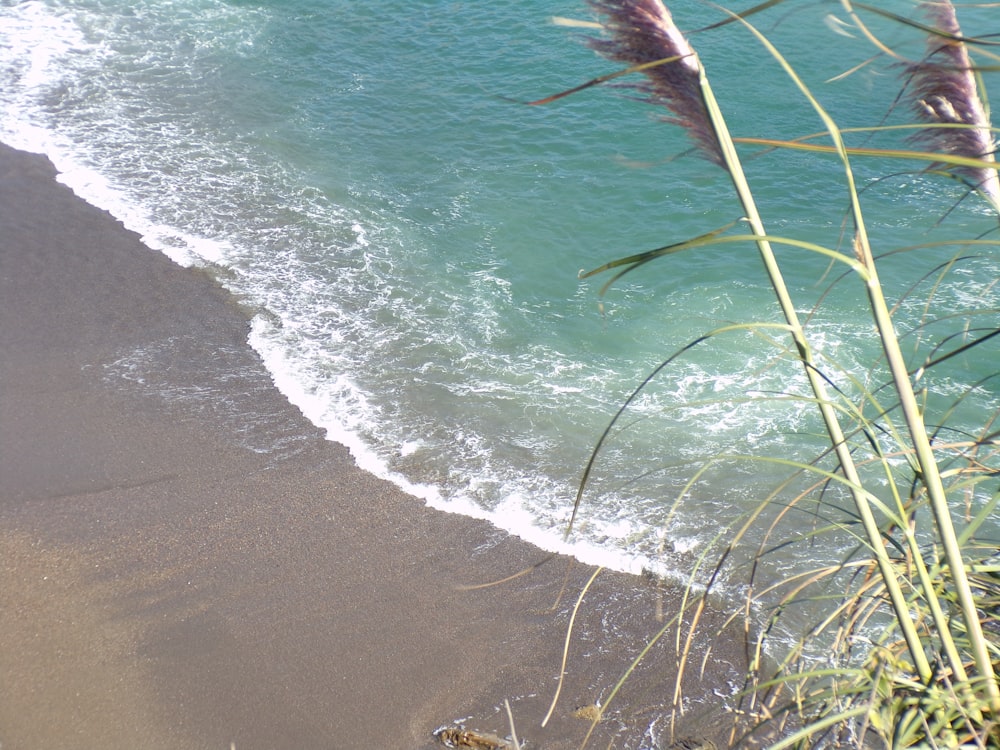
363, 175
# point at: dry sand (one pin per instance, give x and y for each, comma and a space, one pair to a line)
188, 563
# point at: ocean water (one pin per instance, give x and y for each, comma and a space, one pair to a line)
367, 177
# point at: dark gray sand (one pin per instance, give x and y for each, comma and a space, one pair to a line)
188, 563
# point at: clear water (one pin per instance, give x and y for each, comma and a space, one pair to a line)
361, 174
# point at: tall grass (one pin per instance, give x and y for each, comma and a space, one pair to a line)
912, 643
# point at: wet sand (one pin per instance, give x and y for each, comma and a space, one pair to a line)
188, 563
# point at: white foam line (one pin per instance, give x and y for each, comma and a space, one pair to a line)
512, 515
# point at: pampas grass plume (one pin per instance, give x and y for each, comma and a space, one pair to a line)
641, 32
946, 94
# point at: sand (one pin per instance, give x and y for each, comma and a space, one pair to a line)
188, 563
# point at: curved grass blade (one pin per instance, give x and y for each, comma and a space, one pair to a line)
569, 637
714, 238
588, 469
931, 30
602, 79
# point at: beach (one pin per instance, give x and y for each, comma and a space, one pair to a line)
189, 563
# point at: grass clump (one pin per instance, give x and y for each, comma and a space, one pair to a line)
909, 620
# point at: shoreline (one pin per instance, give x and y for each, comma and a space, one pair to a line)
190, 563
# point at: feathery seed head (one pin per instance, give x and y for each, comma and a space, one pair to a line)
643, 32
946, 94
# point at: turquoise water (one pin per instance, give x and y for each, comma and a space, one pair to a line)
363, 176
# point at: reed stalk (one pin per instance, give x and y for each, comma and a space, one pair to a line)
818, 386
646, 32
